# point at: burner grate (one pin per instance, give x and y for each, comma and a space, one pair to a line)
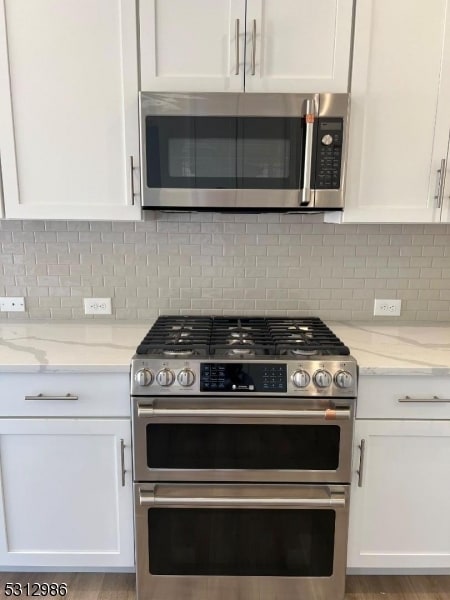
183, 336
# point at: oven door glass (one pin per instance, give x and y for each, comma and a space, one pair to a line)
253, 542
224, 152
239, 446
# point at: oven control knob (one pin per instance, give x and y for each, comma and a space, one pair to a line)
343, 379
327, 140
300, 379
143, 377
186, 377
322, 378
165, 377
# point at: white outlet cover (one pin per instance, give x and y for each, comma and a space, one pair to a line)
12, 304
97, 306
387, 308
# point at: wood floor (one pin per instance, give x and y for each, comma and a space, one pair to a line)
101, 586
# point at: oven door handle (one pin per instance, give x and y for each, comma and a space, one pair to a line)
329, 414
149, 498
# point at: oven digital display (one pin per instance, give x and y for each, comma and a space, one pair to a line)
243, 377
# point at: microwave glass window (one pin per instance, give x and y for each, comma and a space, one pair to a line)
241, 542
224, 152
206, 157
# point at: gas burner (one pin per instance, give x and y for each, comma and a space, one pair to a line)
241, 352
237, 333
178, 352
303, 352
241, 341
180, 327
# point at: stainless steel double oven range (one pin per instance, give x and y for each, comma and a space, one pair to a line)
242, 433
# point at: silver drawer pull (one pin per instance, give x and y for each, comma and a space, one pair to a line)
44, 397
432, 400
360, 471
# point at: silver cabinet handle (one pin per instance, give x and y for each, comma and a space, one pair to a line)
441, 183
432, 400
329, 415
236, 72
122, 461
360, 471
307, 164
253, 71
132, 190
44, 397
149, 498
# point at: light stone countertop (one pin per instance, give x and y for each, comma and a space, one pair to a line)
69, 347
380, 348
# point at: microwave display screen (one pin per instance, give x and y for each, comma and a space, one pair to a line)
330, 125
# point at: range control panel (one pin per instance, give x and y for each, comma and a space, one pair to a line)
243, 377
329, 154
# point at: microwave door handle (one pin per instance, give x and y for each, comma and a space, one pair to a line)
307, 164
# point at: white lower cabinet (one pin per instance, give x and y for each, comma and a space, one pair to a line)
66, 493
399, 515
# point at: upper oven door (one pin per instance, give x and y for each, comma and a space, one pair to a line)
240, 150
237, 439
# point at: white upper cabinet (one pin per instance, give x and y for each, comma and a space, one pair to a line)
256, 46
69, 109
192, 46
298, 45
400, 115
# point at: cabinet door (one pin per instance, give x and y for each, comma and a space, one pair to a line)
399, 517
195, 46
399, 125
298, 45
69, 109
64, 502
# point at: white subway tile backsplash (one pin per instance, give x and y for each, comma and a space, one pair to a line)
213, 263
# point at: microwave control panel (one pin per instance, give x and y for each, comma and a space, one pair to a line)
329, 153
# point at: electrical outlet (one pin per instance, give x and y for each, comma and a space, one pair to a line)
10, 304
387, 308
97, 306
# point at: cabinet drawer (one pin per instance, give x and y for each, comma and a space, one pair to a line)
98, 395
405, 397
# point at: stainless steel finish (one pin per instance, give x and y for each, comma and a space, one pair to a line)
237, 413
132, 190
332, 364
250, 588
322, 378
248, 411
143, 377
327, 140
441, 183
240, 496
343, 379
186, 377
45, 397
253, 67
360, 471
231, 104
122, 461
224, 104
165, 377
300, 378
306, 192
236, 33
432, 400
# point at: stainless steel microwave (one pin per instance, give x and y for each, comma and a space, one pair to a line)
262, 152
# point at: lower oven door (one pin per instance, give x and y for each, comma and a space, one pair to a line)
265, 542
238, 439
